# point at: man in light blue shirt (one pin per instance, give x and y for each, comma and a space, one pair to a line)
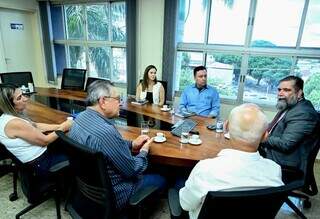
200, 98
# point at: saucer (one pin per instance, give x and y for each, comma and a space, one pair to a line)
160, 140
165, 109
195, 142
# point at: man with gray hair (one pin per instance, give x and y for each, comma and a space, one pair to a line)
237, 167
95, 129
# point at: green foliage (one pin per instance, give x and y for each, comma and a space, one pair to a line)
98, 26
75, 21
312, 89
271, 69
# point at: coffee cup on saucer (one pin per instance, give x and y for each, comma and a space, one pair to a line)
195, 138
159, 137
165, 107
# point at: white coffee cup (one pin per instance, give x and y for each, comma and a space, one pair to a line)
165, 106
30, 86
160, 135
195, 137
70, 118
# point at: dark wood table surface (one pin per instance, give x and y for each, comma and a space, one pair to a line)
171, 152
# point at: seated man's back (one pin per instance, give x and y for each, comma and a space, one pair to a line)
240, 167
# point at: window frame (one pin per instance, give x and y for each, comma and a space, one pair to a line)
246, 50
86, 43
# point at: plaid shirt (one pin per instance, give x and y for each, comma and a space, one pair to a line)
97, 132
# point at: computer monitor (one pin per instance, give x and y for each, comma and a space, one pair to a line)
73, 79
17, 78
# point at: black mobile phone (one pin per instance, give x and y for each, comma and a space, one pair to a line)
211, 127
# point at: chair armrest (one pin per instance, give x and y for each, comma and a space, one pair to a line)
141, 194
59, 166
174, 204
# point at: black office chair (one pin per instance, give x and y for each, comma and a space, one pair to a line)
165, 85
308, 186
37, 189
73, 79
261, 203
90, 80
92, 194
17, 78
9, 168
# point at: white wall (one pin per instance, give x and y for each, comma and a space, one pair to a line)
30, 7
25, 5
149, 35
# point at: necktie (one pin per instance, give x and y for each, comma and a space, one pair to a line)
275, 120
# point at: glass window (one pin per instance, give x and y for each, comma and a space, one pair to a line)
119, 65
192, 20
263, 75
118, 21
309, 71
95, 38
186, 62
74, 21
311, 32
228, 22
77, 57
223, 73
277, 23
98, 24
99, 62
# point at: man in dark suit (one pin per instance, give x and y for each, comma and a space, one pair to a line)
294, 129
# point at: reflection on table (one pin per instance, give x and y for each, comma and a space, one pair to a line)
53, 105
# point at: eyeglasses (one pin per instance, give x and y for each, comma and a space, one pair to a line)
115, 98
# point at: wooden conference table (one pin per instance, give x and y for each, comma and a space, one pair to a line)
42, 108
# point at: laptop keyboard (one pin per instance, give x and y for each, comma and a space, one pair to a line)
188, 124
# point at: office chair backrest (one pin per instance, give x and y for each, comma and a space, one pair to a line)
17, 78
310, 187
261, 203
92, 195
73, 79
90, 80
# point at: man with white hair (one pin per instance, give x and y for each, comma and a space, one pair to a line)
238, 167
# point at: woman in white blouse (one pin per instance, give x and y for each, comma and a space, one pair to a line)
22, 137
149, 88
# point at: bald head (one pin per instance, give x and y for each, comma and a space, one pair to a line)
247, 123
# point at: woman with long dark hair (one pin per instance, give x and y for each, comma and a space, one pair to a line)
149, 88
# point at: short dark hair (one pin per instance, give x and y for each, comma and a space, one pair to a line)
198, 68
298, 82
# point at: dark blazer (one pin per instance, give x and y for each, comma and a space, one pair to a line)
293, 137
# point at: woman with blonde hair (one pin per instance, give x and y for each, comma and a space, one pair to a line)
26, 139
149, 88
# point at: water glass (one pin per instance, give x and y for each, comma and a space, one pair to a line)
219, 126
144, 128
184, 136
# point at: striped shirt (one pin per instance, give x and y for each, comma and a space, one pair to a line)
92, 129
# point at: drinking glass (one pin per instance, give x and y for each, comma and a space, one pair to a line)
219, 126
144, 128
184, 135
